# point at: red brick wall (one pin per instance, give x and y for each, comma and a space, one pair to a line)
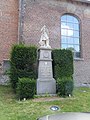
48, 12
8, 27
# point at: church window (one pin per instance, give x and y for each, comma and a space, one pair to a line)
70, 34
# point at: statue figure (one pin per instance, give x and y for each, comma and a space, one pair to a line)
44, 40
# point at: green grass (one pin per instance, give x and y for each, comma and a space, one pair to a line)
13, 109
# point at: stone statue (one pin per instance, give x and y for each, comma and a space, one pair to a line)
44, 40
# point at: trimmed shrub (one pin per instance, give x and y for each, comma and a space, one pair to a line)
23, 63
65, 86
63, 70
26, 88
62, 63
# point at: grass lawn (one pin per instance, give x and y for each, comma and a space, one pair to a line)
12, 109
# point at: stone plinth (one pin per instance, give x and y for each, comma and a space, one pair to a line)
45, 81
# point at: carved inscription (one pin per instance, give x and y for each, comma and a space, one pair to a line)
46, 72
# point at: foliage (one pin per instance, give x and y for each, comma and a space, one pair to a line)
23, 63
65, 86
63, 71
26, 88
62, 63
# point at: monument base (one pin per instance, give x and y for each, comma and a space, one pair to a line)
46, 86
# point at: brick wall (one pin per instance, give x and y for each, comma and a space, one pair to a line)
48, 12
8, 27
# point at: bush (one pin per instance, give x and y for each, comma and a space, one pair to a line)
23, 63
26, 88
62, 63
65, 86
63, 70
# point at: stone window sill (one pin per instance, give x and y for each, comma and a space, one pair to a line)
78, 59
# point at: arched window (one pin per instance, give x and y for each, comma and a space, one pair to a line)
70, 34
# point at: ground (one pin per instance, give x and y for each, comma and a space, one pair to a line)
13, 109
48, 99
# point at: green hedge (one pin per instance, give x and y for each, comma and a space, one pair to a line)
65, 86
63, 71
26, 88
23, 63
62, 63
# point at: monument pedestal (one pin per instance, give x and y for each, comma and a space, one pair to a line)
45, 82
46, 86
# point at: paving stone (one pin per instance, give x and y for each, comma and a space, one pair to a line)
67, 116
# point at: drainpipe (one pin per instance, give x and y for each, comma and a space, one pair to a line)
21, 21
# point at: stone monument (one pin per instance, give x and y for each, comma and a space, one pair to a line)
45, 82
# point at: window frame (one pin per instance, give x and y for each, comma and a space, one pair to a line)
79, 31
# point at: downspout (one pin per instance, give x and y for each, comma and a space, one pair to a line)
21, 21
